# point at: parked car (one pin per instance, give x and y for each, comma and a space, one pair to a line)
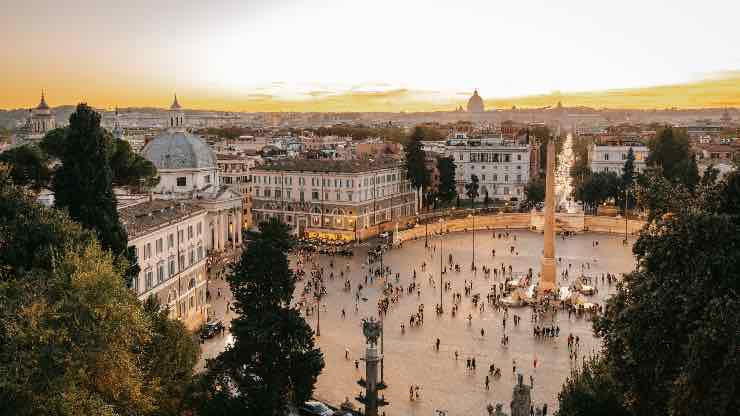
210, 329
315, 408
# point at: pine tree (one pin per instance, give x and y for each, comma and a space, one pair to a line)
416, 170
447, 189
83, 184
274, 359
471, 189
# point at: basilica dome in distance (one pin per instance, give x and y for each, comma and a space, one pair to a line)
475, 103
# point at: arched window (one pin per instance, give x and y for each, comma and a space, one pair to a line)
191, 283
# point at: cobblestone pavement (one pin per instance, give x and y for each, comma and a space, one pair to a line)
410, 357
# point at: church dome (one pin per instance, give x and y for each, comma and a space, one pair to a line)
179, 150
475, 103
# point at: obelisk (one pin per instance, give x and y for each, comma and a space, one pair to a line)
547, 272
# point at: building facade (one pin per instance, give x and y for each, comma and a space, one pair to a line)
332, 198
170, 242
235, 172
502, 167
607, 158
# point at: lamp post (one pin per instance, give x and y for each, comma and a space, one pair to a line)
441, 222
625, 216
472, 266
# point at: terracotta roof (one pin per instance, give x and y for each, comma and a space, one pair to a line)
149, 216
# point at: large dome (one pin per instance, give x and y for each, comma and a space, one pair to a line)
179, 150
475, 103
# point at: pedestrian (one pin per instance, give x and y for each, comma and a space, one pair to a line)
482, 332
487, 382
346, 353
357, 365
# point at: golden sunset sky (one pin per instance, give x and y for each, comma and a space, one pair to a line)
382, 55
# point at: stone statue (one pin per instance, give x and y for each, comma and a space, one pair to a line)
371, 329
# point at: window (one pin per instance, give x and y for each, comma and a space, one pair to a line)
172, 267
149, 279
148, 252
170, 241
199, 228
339, 196
158, 246
518, 157
606, 156
192, 257
267, 193
160, 272
483, 177
207, 179
506, 178
300, 195
181, 181
181, 262
180, 234
506, 191
315, 195
200, 252
190, 232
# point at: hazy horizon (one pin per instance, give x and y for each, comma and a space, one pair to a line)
329, 55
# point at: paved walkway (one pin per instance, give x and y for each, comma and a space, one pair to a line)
410, 357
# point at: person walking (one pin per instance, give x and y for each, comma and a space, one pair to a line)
488, 381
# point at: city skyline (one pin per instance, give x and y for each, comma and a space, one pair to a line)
329, 56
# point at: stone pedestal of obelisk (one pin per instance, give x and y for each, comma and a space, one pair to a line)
547, 271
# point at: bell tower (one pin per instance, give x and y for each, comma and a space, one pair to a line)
176, 117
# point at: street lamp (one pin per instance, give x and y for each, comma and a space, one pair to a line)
472, 266
441, 221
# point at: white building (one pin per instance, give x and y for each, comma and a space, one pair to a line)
345, 199
170, 239
502, 167
188, 171
235, 172
607, 158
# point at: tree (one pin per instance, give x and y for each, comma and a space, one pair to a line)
416, 170
130, 169
627, 182
67, 323
274, 359
73, 338
83, 184
670, 332
169, 358
447, 188
597, 188
670, 152
591, 390
28, 166
471, 189
534, 192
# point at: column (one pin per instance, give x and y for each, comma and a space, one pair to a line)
547, 277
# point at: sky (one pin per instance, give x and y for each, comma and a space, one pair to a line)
380, 55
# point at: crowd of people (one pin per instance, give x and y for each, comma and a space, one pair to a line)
499, 280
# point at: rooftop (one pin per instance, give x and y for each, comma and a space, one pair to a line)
141, 219
323, 165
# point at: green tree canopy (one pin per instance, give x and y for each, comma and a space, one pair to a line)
130, 169
274, 359
83, 183
28, 166
471, 188
597, 188
74, 340
416, 170
447, 188
534, 192
670, 332
670, 152
591, 390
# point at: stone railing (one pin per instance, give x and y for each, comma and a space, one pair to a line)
523, 221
